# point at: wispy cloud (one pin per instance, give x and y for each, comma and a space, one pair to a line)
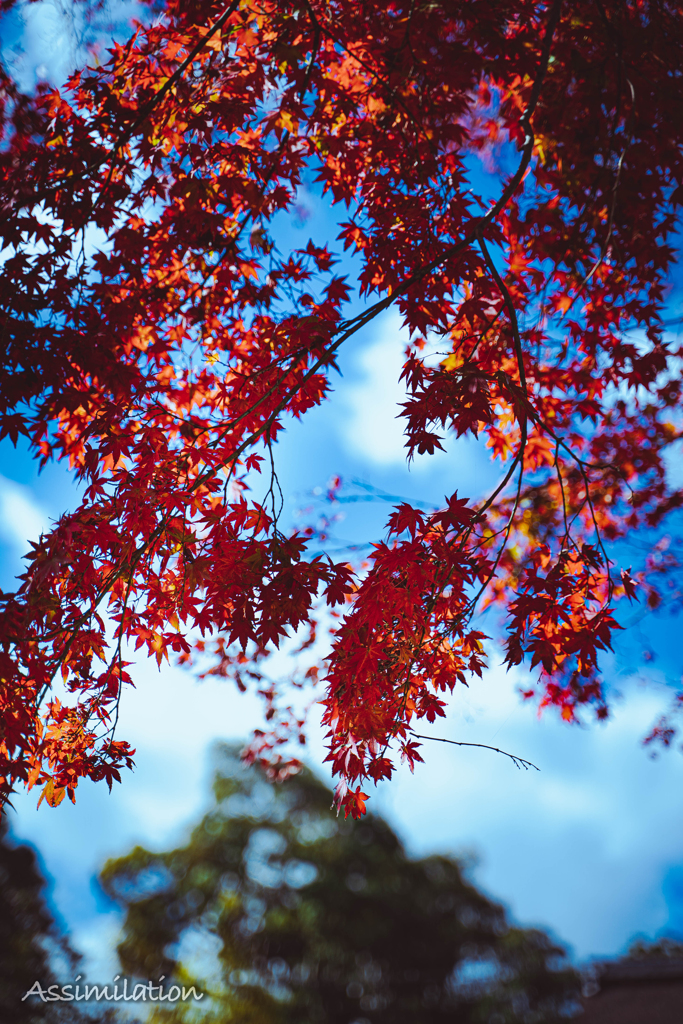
21, 518
583, 846
371, 426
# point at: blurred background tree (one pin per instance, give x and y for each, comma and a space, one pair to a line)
32, 945
284, 914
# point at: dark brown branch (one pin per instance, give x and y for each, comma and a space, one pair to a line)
519, 762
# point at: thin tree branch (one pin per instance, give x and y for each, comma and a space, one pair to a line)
519, 762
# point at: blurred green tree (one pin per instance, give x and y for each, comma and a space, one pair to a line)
284, 914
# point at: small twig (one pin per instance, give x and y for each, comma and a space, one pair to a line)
564, 497
512, 313
519, 762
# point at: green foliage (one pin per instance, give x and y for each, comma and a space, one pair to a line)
285, 914
642, 949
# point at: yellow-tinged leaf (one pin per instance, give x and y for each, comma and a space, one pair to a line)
53, 794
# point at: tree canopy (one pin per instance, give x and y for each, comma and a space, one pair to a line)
155, 337
279, 912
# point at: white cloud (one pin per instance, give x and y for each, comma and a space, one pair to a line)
372, 426
47, 39
21, 518
581, 847
373, 429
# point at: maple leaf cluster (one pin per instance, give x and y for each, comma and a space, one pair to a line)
156, 338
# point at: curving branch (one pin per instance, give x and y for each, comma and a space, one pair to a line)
519, 762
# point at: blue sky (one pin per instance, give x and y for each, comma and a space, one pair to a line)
590, 847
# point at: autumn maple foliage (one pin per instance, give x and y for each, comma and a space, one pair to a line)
155, 337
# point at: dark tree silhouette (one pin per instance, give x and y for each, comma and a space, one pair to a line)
32, 946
